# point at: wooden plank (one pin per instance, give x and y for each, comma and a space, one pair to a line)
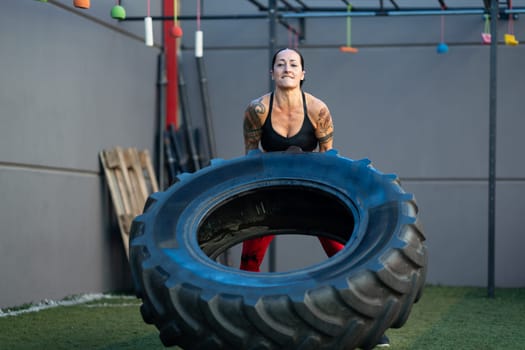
145, 161
109, 160
131, 179
127, 188
138, 182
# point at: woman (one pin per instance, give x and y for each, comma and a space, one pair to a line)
287, 117
280, 119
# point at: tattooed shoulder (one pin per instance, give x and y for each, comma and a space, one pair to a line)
324, 120
257, 107
252, 125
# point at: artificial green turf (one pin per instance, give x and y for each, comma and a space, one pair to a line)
444, 318
464, 318
102, 324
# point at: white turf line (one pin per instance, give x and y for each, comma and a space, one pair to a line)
47, 304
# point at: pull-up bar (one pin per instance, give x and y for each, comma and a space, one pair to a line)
392, 13
208, 17
354, 13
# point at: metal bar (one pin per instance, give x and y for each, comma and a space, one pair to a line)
320, 14
509, 11
289, 27
329, 14
208, 17
186, 115
303, 5
393, 13
273, 15
206, 106
259, 5
493, 92
289, 6
394, 4
355, 13
436, 12
162, 81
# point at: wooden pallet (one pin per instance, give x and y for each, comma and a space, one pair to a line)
131, 179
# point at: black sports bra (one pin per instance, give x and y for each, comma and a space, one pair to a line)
273, 142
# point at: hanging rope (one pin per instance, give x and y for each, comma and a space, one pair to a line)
442, 29
510, 26
175, 13
442, 46
293, 38
486, 37
198, 14
176, 30
199, 45
348, 48
148, 26
509, 37
349, 27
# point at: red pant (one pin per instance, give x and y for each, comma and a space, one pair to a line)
253, 251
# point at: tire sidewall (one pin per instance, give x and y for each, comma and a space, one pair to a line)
181, 209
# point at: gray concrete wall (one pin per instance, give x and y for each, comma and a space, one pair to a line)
71, 86
411, 111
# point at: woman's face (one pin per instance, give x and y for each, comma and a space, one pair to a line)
287, 70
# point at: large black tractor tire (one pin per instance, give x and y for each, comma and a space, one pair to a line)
344, 302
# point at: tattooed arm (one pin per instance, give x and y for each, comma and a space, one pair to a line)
325, 128
252, 126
